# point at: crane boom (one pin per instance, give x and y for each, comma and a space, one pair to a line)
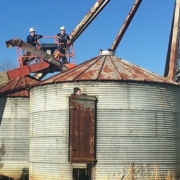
42, 68
125, 25
88, 18
173, 53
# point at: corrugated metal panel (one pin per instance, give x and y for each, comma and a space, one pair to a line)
106, 67
136, 123
14, 133
58, 127
49, 171
142, 137
52, 100
48, 134
49, 149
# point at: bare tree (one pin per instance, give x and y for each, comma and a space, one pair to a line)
6, 65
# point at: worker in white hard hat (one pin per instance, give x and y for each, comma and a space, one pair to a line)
32, 38
63, 40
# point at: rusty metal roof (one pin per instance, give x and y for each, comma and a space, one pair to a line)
107, 67
18, 87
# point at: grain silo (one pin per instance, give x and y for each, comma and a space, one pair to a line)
135, 122
14, 127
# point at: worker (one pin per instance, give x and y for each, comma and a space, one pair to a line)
32, 38
64, 41
77, 91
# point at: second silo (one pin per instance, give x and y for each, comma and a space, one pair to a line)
14, 128
137, 122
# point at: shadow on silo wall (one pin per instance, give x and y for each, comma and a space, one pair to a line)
2, 107
2, 145
5, 178
25, 171
26, 177
25, 174
2, 152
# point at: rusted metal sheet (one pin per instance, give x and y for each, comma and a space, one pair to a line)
17, 72
108, 68
18, 87
23, 71
93, 71
19, 93
173, 54
82, 129
95, 10
125, 25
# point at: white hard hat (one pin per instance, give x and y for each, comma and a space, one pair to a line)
62, 28
31, 29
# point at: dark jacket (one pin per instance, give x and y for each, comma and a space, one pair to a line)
33, 39
63, 38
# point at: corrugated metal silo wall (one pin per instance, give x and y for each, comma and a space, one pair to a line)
136, 123
14, 136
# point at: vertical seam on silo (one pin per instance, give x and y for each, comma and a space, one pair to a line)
17, 82
75, 68
116, 68
101, 66
89, 67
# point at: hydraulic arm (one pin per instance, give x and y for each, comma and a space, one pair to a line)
49, 63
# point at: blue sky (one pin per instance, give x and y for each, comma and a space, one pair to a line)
145, 42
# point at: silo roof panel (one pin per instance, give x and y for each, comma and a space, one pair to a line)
147, 75
107, 67
109, 70
22, 93
76, 73
93, 71
124, 71
71, 74
18, 87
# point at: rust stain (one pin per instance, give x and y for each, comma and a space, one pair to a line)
173, 47
172, 62
82, 129
107, 67
126, 24
18, 87
93, 71
94, 11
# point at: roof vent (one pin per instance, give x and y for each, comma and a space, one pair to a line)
106, 52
